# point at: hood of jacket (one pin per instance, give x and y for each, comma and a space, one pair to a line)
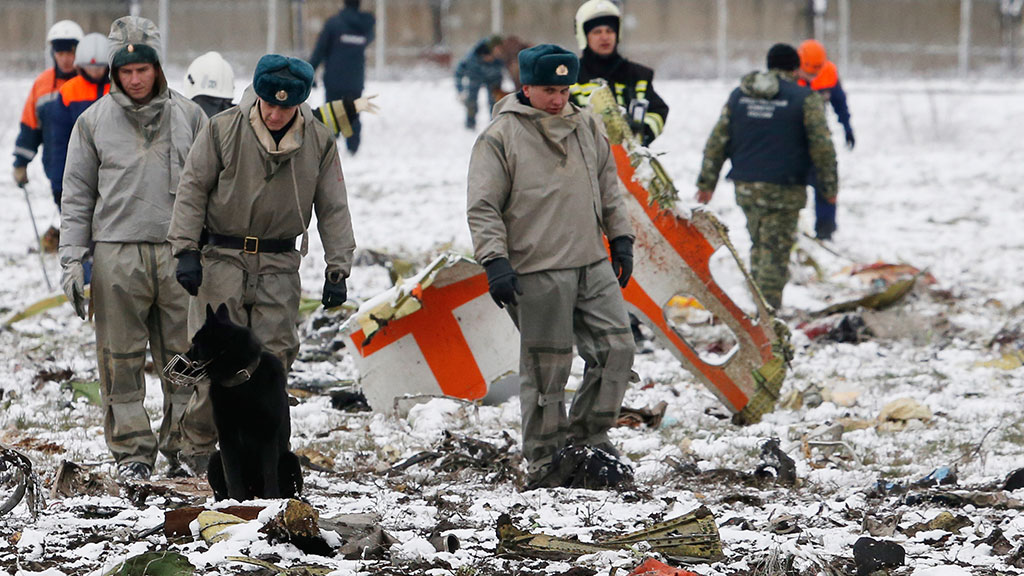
134, 30
764, 85
554, 127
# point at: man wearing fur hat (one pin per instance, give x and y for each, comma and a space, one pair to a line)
543, 194
773, 131
124, 158
253, 180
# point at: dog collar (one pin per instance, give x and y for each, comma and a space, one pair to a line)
243, 375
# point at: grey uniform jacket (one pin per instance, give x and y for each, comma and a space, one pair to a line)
123, 166
238, 182
543, 188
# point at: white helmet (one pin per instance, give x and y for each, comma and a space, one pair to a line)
209, 75
594, 9
65, 30
92, 51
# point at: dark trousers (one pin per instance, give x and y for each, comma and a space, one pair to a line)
352, 142
824, 211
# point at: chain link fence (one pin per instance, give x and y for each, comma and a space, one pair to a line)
679, 38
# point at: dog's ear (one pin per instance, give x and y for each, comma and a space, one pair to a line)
209, 313
222, 313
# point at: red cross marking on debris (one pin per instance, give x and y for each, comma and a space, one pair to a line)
439, 337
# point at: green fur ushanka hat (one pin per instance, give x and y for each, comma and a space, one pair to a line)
281, 80
548, 65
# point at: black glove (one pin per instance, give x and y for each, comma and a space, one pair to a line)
335, 292
502, 282
190, 271
647, 137
622, 259
850, 140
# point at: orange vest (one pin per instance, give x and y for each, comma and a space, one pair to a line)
826, 79
80, 89
44, 89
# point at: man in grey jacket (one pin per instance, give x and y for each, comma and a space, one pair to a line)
543, 194
124, 159
252, 180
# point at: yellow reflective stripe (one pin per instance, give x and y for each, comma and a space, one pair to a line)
655, 122
328, 117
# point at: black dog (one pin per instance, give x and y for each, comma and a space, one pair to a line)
250, 410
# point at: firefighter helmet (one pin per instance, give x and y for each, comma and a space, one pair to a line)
210, 75
590, 10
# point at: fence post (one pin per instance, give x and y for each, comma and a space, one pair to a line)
964, 53
721, 38
496, 16
165, 26
51, 17
844, 35
382, 38
271, 26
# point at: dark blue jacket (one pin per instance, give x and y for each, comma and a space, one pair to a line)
767, 138
61, 114
342, 49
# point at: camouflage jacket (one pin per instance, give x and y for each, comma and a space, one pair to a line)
819, 139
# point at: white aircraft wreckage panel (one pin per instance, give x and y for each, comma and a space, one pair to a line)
438, 333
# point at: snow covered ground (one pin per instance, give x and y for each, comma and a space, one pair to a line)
935, 182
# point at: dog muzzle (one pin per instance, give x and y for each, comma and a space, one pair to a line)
181, 371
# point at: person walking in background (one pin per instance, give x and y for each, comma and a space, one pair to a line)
125, 155
598, 25
341, 48
773, 131
480, 68
63, 38
821, 75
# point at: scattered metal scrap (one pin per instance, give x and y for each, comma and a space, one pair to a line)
691, 537
455, 453
17, 475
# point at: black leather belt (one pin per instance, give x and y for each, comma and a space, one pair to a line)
252, 244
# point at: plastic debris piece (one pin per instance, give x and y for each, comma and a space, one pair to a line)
213, 525
163, 563
870, 555
652, 567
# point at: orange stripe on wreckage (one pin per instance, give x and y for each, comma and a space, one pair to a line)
438, 335
696, 252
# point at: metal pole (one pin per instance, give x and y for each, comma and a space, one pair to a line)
382, 38
820, 7
964, 52
271, 26
844, 35
165, 26
51, 17
134, 9
721, 38
39, 243
496, 16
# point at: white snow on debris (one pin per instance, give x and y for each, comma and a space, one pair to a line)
935, 182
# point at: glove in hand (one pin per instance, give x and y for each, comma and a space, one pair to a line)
73, 283
622, 259
335, 291
190, 271
502, 282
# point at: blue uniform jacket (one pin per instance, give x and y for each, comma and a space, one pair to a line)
341, 48
473, 72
